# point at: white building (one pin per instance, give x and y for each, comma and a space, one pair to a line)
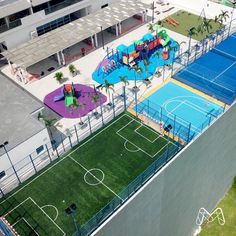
21, 20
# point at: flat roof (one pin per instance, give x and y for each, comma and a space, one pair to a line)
16, 122
42, 47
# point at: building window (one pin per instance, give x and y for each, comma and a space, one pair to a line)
2, 174
105, 5
40, 149
53, 25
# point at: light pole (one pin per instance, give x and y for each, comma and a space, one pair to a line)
102, 37
232, 15
153, 8
3, 145
71, 211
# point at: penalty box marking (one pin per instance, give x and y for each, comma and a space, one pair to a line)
117, 132
29, 198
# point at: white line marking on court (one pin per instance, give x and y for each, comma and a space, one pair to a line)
16, 206
210, 81
232, 36
89, 172
57, 213
48, 216
223, 52
151, 141
224, 71
129, 150
180, 104
95, 177
63, 158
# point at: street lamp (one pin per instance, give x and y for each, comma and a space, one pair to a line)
153, 8
3, 145
71, 211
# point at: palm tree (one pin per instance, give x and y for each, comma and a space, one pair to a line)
224, 16
146, 63
95, 99
125, 83
108, 86
48, 122
59, 76
150, 27
191, 32
206, 25
81, 107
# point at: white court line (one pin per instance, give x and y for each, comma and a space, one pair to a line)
224, 71
232, 36
48, 216
151, 141
16, 207
223, 52
26, 223
180, 104
63, 158
57, 212
95, 177
208, 80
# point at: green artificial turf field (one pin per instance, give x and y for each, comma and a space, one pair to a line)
228, 205
90, 176
186, 21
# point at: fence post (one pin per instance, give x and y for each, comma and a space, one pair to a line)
113, 106
63, 144
70, 141
209, 121
77, 137
101, 110
124, 96
90, 129
48, 153
189, 130
32, 163
161, 115
174, 127
2, 193
57, 153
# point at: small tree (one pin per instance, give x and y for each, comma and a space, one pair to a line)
108, 86
157, 54
72, 69
59, 76
150, 27
95, 99
124, 80
48, 122
191, 32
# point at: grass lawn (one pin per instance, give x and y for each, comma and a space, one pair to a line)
228, 205
186, 21
90, 176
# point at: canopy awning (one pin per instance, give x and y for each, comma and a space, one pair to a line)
42, 47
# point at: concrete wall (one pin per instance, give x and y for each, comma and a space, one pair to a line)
24, 149
198, 177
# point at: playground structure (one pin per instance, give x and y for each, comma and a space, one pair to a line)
76, 96
141, 49
67, 94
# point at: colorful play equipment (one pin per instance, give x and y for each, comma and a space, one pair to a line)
109, 66
67, 93
171, 21
146, 47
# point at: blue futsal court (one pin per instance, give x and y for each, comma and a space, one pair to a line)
214, 73
187, 112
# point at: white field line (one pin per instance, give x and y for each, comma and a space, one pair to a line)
223, 52
63, 158
134, 144
17, 222
95, 177
198, 108
30, 226
151, 141
16, 207
57, 212
224, 71
48, 216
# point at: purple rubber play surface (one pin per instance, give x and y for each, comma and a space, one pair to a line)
83, 93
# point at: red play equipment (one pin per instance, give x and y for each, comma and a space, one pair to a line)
165, 54
171, 21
